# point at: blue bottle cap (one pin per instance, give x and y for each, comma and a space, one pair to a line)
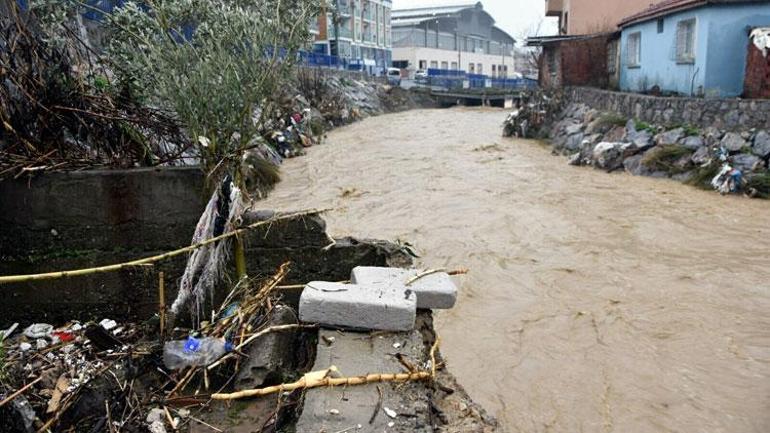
192, 345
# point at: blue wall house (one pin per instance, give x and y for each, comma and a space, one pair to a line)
691, 47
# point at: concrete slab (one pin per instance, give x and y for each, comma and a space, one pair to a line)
369, 306
434, 291
352, 408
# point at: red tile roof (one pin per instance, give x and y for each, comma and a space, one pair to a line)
667, 7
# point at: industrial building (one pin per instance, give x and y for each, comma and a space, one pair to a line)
457, 38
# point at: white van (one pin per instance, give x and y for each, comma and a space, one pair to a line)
394, 76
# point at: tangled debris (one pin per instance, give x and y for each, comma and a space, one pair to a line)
111, 377
59, 109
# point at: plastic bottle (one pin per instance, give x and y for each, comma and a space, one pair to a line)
194, 352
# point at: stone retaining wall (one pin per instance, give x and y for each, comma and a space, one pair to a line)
729, 114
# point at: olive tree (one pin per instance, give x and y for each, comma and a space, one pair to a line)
214, 63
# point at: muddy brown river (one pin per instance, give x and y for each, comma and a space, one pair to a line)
595, 302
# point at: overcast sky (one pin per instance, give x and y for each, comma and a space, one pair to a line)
517, 17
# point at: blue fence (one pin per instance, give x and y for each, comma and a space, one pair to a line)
445, 73
452, 80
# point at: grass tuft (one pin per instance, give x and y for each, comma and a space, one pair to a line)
703, 176
609, 120
760, 183
663, 158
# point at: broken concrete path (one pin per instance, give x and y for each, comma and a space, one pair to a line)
363, 408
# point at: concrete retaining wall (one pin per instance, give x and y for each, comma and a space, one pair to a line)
74, 213
64, 221
728, 114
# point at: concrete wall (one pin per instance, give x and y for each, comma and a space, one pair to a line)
730, 114
415, 54
596, 16
64, 221
720, 53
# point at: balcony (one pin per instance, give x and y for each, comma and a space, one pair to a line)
344, 9
369, 14
554, 8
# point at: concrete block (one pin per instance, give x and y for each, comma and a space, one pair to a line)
434, 291
369, 306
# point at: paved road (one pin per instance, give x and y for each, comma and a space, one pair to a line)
595, 302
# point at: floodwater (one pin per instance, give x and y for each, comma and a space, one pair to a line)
595, 302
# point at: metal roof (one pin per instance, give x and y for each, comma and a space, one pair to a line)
425, 11
539, 41
667, 7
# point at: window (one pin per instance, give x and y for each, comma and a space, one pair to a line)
471, 68
661, 25
423, 64
454, 66
444, 65
434, 64
685, 41
480, 68
494, 70
634, 50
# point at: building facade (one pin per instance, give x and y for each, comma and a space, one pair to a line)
356, 30
578, 60
582, 17
690, 47
456, 38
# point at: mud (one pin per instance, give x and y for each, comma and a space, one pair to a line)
595, 302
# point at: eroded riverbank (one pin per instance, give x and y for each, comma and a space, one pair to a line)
595, 302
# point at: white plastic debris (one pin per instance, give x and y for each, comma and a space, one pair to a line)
25, 347
38, 330
108, 324
761, 39
390, 412
76, 327
396, 345
391, 424
334, 411
41, 343
7, 333
155, 420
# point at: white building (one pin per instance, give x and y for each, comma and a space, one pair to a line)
462, 37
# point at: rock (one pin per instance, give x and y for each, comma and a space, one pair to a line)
574, 141
701, 156
616, 135
576, 159
434, 291
391, 308
733, 142
634, 166
608, 156
630, 126
745, 162
270, 356
573, 128
592, 139
642, 140
669, 137
761, 145
692, 142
